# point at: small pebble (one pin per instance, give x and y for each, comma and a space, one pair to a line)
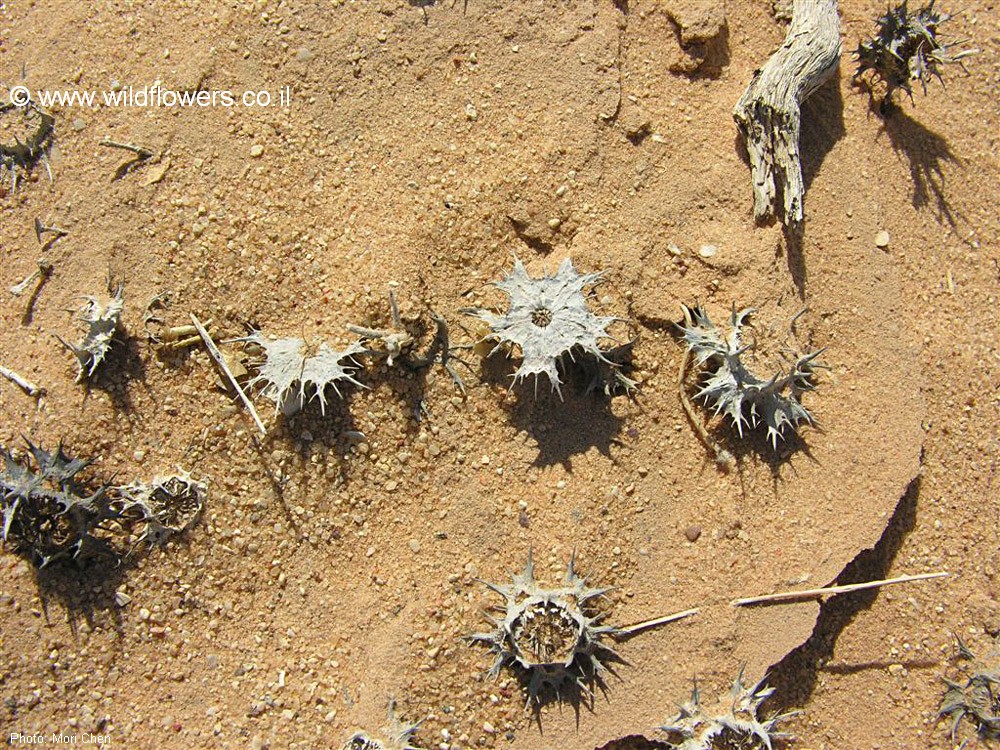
707, 251
882, 239
692, 533
79, 124
256, 150
471, 113
304, 54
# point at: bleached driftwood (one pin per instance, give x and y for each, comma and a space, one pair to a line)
768, 113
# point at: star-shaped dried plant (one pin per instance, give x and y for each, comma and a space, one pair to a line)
548, 320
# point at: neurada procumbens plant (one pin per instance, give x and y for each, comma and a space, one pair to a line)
731, 388
551, 637
548, 320
906, 47
738, 726
100, 320
396, 735
291, 374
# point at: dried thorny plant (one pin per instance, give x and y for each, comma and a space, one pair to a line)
166, 506
739, 727
731, 388
551, 637
396, 735
49, 515
291, 373
978, 698
100, 321
397, 344
32, 139
549, 321
906, 47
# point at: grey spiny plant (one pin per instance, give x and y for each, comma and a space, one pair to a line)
736, 391
906, 48
394, 736
46, 514
549, 321
20, 156
291, 375
49, 516
739, 727
978, 699
166, 506
551, 637
101, 320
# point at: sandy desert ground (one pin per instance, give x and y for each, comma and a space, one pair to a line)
419, 147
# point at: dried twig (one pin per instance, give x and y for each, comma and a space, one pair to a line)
142, 155
43, 270
140, 151
768, 114
631, 630
27, 386
216, 355
789, 596
41, 229
723, 458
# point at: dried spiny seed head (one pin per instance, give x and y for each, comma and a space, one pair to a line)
32, 138
395, 736
548, 320
101, 321
978, 698
291, 376
551, 637
737, 728
166, 506
906, 48
734, 390
45, 512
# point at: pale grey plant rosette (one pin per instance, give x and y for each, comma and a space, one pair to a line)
740, 725
291, 377
736, 391
549, 634
101, 321
547, 319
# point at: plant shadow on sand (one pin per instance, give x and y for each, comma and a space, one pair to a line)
927, 153
563, 424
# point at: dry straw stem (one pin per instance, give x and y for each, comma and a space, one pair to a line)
790, 596
630, 630
216, 355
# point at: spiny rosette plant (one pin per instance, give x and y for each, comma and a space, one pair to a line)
46, 513
100, 320
550, 637
291, 374
33, 136
49, 515
739, 727
394, 736
906, 47
733, 389
978, 698
166, 506
549, 322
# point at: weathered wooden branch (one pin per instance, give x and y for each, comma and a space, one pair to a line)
768, 114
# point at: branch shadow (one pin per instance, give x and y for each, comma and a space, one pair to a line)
927, 153
794, 677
